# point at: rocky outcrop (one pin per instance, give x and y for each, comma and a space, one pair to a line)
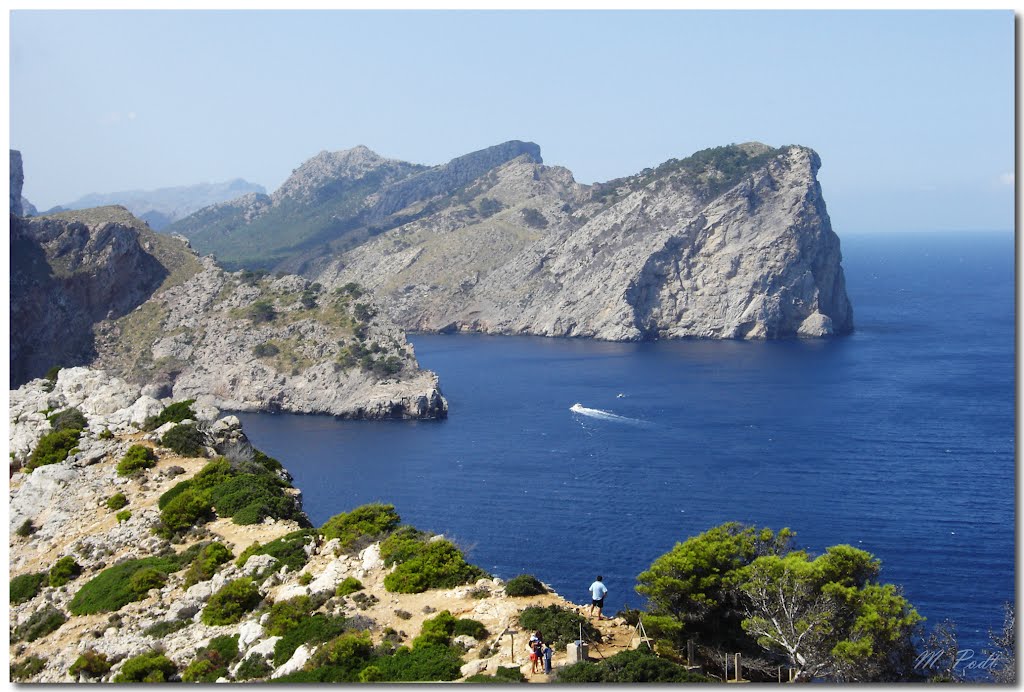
71, 270
264, 344
733, 242
17, 180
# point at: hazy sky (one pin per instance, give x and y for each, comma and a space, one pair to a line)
911, 112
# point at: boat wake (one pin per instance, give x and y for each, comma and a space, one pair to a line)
602, 415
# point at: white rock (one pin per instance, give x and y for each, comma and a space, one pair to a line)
248, 632
294, 663
370, 557
257, 563
474, 668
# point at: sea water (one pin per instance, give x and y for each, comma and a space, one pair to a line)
568, 458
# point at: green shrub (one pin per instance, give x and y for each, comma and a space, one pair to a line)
470, 627
137, 457
116, 501
141, 581
361, 526
305, 578
311, 629
438, 565
40, 624
91, 663
249, 499
52, 448
533, 218
436, 630
186, 440
503, 675
352, 649
173, 413
114, 587
635, 666
230, 604
212, 660
27, 668
26, 529
106, 434
557, 624
165, 627
63, 571
262, 311
151, 666
184, 511
348, 585
26, 586
490, 206
265, 350
254, 667
524, 585
176, 489
123, 515
52, 373
426, 663
68, 419
405, 543
205, 565
288, 550
285, 615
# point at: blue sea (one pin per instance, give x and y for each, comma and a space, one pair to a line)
898, 439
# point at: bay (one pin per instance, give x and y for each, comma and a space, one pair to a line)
898, 439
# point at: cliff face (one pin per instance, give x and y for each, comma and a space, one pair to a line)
17, 178
731, 243
71, 270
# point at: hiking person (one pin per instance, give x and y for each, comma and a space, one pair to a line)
597, 593
547, 653
535, 655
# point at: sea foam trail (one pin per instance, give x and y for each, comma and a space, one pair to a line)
602, 415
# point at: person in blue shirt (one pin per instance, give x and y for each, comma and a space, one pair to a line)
597, 593
548, 651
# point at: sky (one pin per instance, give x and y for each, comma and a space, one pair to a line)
911, 112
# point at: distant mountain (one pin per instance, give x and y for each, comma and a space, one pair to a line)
162, 207
332, 202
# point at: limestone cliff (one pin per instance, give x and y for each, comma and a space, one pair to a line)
733, 242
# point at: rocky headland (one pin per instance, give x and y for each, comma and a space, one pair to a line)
733, 242
89, 521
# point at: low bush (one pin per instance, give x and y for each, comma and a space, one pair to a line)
27, 668
204, 566
106, 434
285, 615
123, 515
151, 666
40, 623
26, 529
438, 565
212, 660
470, 627
265, 350
262, 311
137, 457
165, 627
230, 604
638, 665
141, 581
348, 585
311, 629
26, 586
436, 630
350, 649
68, 419
362, 526
253, 668
172, 413
427, 663
558, 624
524, 585
289, 549
91, 664
116, 501
184, 511
53, 448
114, 587
63, 571
186, 440
406, 542
249, 499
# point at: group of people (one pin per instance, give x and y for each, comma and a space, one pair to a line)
540, 653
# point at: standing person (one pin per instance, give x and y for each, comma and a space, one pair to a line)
597, 593
548, 651
535, 655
